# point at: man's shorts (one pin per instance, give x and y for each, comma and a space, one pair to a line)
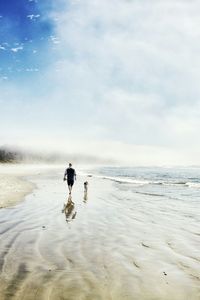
70, 182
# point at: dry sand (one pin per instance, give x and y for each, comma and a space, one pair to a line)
14, 185
111, 245
13, 189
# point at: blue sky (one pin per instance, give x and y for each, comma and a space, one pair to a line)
114, 78
26, 32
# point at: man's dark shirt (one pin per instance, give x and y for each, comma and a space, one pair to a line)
70, 172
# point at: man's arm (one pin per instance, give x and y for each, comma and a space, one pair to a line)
64, 178
74, 174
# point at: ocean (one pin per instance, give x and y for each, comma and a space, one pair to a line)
174, 183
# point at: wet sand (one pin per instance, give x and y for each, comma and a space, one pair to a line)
110, 244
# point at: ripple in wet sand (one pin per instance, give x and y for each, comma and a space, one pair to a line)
108, 250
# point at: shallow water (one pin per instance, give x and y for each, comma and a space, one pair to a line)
115, 244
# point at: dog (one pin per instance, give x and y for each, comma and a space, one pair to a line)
85, 186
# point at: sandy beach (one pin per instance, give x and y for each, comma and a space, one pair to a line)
13, 189
13, 185
112, 244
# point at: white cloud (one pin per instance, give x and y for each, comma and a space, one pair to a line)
2, 48
142, 49
16, 49
33, 17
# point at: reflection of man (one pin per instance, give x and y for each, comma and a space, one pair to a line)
68, 209
71, 176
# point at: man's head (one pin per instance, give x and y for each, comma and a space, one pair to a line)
70, 165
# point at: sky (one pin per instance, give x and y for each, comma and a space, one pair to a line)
117, 79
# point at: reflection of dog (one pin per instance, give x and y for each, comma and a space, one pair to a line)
85, 186
85, 191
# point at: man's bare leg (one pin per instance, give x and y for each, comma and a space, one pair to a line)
70, 189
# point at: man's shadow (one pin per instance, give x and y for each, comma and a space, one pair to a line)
69, 210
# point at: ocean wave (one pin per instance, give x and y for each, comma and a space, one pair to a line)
126, 180
150, 194
185, 182
141, 182
193, 184
176, 183
118, 179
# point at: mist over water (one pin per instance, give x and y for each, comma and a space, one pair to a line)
13, 154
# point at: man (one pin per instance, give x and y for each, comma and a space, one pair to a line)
71, 176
